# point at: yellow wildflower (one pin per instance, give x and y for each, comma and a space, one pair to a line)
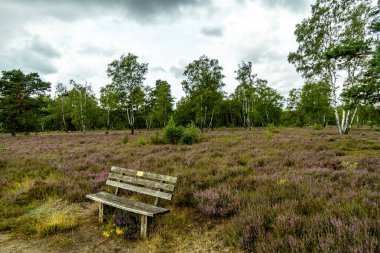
282, 181
119, 231
106, 234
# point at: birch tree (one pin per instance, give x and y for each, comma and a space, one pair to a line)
82, 99
128, 76
203, 86
61, 93
333, 47
109, 101
245, 92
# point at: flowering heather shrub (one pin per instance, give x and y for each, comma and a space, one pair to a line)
370, 163
129, 222
99, 178
319, 207
216, 202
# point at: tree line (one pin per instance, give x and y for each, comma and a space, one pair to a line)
338, 42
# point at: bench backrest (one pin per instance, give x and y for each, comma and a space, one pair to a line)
156, 185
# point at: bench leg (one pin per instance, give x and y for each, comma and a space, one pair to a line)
144, 226
101, 209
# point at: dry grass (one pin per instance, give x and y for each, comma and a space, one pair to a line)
300, 190
56, 223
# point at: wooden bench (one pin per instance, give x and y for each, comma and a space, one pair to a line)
158, 186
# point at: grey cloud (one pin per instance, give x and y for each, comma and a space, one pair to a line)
43, 48
177, 71
26, 60
158, 69
17, 14
263, 51
91, 49
265, 56
212, 31
35, 56
151, 9
141, 11
293, 5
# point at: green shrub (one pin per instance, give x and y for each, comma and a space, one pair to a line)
126, 138
141, 142
270, 127
157, 139
191, 134
173, 133
317, 127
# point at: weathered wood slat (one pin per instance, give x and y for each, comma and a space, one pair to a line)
126, 204
144, 174
163, 195
128, 179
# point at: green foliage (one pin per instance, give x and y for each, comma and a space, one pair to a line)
21, 100
157, 139
203, 87
309, 105
184, 113
126, 138
162, 102
317, 127
109, 98
173, 133
336, 39
349, 165
271, 128
258, 103
191, 134
128, 76
141, 141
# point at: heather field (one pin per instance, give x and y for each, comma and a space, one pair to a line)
265, 190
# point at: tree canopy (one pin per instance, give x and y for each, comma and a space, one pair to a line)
21, 100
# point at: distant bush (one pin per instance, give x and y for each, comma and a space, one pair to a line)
157, 139
317, 127
216, 202
173, 133
191, 134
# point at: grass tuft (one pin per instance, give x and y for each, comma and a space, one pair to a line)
56, 223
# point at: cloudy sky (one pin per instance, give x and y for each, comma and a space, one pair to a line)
63, 40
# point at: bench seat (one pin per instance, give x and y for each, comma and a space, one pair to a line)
127, 204
142, 182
